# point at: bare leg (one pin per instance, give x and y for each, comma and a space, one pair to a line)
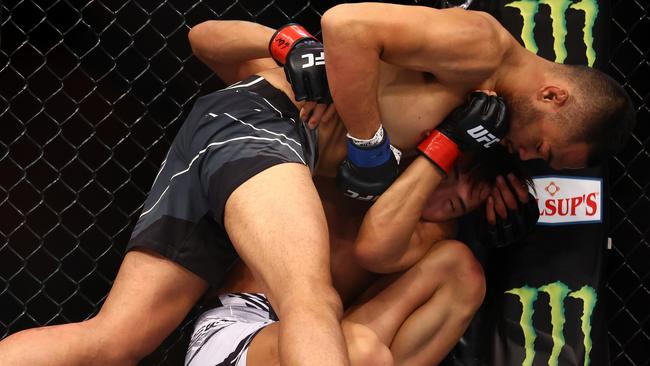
364, 347
277, 224
423, 312
149, 298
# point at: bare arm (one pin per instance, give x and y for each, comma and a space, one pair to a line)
459, 46
232, 49
392, 236
236, 49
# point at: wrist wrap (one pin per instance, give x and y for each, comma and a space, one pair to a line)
375, 140
284, 39
370, 157
440, 150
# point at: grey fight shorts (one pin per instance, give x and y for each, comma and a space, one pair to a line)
229, 136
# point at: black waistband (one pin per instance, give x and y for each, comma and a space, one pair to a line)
274, 95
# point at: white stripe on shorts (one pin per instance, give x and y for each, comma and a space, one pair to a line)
238, 85
217, 144
259, 129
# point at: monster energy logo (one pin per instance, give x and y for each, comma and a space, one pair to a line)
529, 8
557, 293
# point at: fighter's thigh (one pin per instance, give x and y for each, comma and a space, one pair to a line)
263, 350
364, 347
447, 261
149, 298
277, 225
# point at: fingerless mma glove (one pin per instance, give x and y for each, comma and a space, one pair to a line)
303, 58
515, 228
476, 125
285, 39
371, 166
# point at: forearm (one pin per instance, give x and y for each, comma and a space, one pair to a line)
232, 49
352, 56
230, 41
459, 47
385, 236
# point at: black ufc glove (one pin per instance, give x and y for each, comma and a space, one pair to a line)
477, 124
513, 229
304, 62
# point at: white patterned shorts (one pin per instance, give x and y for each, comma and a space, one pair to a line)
222, 335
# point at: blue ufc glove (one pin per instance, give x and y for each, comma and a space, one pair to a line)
371, 166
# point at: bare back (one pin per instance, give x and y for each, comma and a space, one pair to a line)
411, 102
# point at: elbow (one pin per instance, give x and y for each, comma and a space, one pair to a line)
367, 259
195, 36
363, 255
370, 256
332, 16
339, 20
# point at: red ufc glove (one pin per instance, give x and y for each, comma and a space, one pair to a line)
285, 38
474, 126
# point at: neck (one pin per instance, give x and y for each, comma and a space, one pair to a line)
524, 73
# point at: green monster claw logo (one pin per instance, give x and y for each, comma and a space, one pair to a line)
528, 9
557, 292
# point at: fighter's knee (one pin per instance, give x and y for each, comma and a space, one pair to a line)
364, 347
14, 349
82, 343
470, 273
116, 345
474, 280
452, 257
456, 263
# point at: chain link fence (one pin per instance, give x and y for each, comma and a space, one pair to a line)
628, 296
91, 94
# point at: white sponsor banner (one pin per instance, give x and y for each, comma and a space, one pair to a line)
566, 200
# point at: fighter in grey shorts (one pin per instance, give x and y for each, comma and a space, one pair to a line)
222, 335
229, 136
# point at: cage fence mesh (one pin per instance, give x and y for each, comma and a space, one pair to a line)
91, 94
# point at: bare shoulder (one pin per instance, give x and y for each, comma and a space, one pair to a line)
497, 32
476, 45
455, 45
480, 30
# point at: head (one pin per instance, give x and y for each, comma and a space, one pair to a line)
578, 118
470, 183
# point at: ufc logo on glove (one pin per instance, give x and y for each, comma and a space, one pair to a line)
320, 60
357, 196
481, 134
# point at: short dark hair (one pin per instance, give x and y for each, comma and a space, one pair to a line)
604, 110
486, 166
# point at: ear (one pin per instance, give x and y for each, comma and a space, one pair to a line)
553, 94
